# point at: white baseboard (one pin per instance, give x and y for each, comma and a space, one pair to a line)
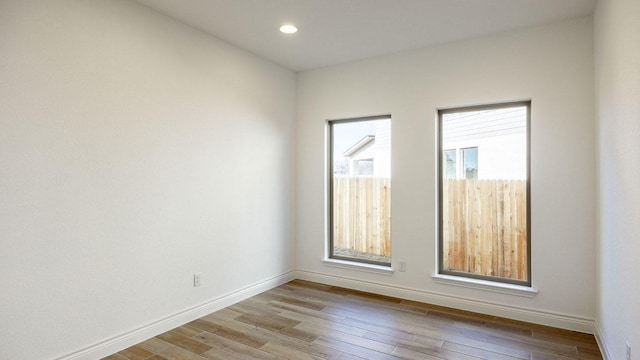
602, 343
132, 337
564, 321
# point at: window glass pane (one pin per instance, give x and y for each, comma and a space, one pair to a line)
361, 190
470, 160
483, 210
449, 161
364, 167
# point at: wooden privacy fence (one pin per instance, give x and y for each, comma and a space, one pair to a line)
361, 214
485, 227
484, 223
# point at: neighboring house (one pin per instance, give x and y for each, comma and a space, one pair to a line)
371, 155
477, 145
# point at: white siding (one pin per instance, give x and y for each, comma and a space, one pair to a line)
468, 126
383, 149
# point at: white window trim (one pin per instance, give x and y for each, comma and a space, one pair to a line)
486, 285
359, 266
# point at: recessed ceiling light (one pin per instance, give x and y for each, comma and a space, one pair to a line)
288, 29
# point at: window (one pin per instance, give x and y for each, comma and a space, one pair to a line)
360, 190
364, 167
483, 192
470, 163
449, 164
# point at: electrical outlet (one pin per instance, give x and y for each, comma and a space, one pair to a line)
628, 351
403, 266
197, 279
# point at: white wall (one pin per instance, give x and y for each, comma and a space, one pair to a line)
134, 151
553, 66
617, 56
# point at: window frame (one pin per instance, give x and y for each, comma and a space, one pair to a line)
440, 171
329, 195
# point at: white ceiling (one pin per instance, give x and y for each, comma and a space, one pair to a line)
338, 31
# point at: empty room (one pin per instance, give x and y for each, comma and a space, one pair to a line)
319, 179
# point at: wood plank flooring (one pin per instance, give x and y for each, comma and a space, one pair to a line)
304, 320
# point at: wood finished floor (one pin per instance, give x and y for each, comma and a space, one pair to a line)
303, 320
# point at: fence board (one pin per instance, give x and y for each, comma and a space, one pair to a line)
485, 227
484, 223
361, 214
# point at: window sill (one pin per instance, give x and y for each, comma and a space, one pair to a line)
509, 289
370, 268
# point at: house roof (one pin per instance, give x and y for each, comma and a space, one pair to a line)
359, 145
